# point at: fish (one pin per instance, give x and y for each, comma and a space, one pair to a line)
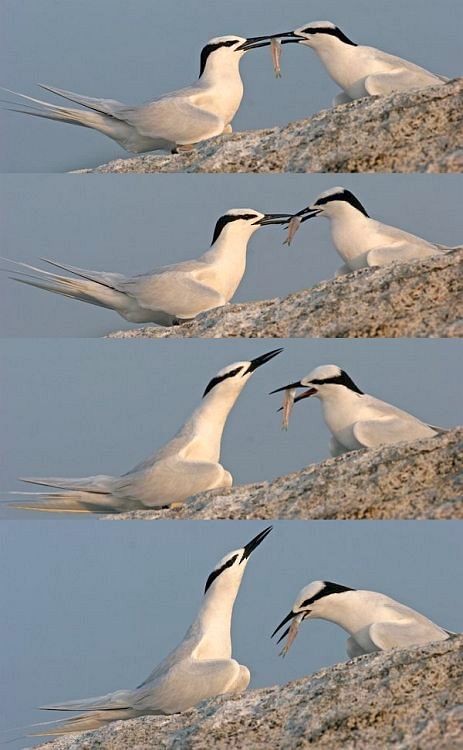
275, 49
288, 403
292, 633
293, 227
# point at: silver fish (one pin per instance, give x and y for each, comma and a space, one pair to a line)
292, 633
293, 227
275, 49
288, 403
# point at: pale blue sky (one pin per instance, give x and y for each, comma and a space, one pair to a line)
142, 222
88, 608
136, 51
81, 407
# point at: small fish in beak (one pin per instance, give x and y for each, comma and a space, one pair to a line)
276, 49
293, 227
292, 633
288, 403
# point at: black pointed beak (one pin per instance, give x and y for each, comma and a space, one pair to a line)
287, 619
307, 213
274, 219
251, 546
263, 41
259, 361
287, 387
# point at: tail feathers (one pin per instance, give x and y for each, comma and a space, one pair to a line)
89, 494
96, 288
104, 106
87, 119
116, 700
84, 722
99, 484
448, 249
65, 502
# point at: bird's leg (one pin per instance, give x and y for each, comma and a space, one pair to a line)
183, 148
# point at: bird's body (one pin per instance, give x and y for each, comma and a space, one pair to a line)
200, 667
358, 70
374, 621
363, 242
355, 419
179, 119
168, 295
186, 465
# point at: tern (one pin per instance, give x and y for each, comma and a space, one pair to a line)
171, 294
359, 71
200, 667
186, 465
177, 120
355, 419
374, 621
363, 242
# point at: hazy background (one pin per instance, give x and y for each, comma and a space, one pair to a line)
82, 407
89, 608
136, 51
142, 222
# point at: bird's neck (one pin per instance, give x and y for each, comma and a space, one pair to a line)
208, 422
222, 88
339, 59
228, 258
213, 623
340, 406
349, 611
351, 232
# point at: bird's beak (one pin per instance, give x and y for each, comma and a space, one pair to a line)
287, 387
259, 361
263, 41
287, 619
251, 546
308, 213
274, 219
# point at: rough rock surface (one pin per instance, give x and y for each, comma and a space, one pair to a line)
423, 479
404, 699
420, 131
423, 298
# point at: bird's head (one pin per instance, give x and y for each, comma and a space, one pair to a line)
230, 569
313, 601
233, 378
245, 221
332, 203
317, 34
228, 50
323, 382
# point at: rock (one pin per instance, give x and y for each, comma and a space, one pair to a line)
422, 298
419, 131
422, 479
407, 699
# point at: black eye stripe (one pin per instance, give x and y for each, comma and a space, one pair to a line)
209, 48
330, 32
329, 588
346, 196
219, 379
341, 379
215, 573
224, 220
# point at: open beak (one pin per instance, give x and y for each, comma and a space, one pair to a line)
251, 546
274, 219
284, 622
307, 213
306, 394
262, 360
263, 41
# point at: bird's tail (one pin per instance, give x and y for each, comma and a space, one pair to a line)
88, 286
81, 723
87, 495
96, 115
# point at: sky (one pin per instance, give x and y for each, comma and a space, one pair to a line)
134, 52
142, 222
81, 407
89, 608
